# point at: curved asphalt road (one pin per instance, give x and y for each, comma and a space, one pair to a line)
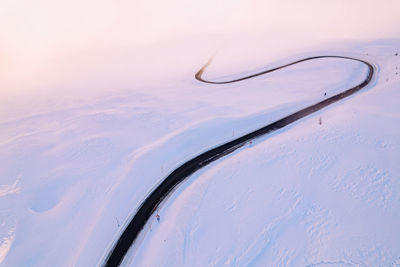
153, 200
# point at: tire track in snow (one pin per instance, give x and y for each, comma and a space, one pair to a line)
153, 200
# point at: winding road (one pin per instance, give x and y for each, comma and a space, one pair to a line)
154, 199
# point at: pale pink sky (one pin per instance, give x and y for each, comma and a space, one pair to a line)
32, 32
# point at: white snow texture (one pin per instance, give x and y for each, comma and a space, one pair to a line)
76, 164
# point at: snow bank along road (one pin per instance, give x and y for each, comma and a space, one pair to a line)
154, 199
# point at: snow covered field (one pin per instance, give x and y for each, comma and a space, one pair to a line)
307, 195
85, 136
312, 195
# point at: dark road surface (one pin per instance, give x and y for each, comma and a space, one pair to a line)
154, 199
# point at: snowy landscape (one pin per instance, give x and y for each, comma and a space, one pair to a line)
95, 113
